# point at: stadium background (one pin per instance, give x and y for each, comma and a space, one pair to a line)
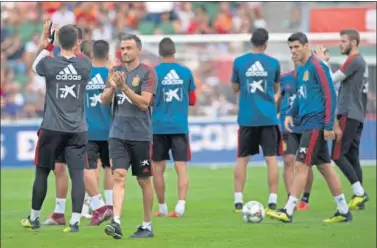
209, 36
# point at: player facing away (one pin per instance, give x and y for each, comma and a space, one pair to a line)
64, 128
291, 139
131, 132
351, 110
256, 78
61, 177
315, 106
175, 92
99, 121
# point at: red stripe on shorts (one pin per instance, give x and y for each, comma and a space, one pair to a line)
312, 144
188, 148
338, 144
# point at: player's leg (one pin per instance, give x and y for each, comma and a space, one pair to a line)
160, 153
86, 209
290, 146
340, 150
308, 149
333, 181
61, 183
304, 203
100, 211
270, 141
248, 144
76, 157
142, 169
48, 146
108, 183
121, 162
354, 153
353, 157
181, 154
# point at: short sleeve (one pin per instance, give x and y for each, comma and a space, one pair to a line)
351, 65
149, 83
41, 67
277, 73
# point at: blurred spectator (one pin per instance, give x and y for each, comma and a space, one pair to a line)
169, 24
200, 24
223, 22
241, 21
156, 9
63, 16
23, 91
256, 14
185, 15
102, 32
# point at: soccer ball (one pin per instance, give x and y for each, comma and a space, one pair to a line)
253, 212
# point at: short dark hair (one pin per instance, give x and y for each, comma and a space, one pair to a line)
259, 37
166, 47
79, 32
100, 49
87, 47
352, 34
67, 36
132, 37
300, 37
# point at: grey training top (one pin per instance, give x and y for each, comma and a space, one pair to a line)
130, 122
65, 87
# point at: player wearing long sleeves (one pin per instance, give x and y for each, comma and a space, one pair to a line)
315, 103
291, 140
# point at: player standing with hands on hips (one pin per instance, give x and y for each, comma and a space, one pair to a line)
132, 90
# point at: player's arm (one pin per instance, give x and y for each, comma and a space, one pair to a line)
148, 90
277, 93
279, 99
107, 95
323, 77
348, 68
291, 112
44, 49
293, 109
235, 78
191, 91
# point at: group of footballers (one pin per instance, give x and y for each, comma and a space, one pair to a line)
310, 116
95, 111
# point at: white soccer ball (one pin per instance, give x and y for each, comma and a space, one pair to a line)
253, 212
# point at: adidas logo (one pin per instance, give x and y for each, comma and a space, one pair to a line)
256, 70
172, 78
68, 73
96, 83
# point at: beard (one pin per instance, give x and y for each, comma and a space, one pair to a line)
347, 51
127, 59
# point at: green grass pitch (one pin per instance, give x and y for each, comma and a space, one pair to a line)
209, 220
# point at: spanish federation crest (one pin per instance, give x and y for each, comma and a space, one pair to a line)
306, 76
136, 81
